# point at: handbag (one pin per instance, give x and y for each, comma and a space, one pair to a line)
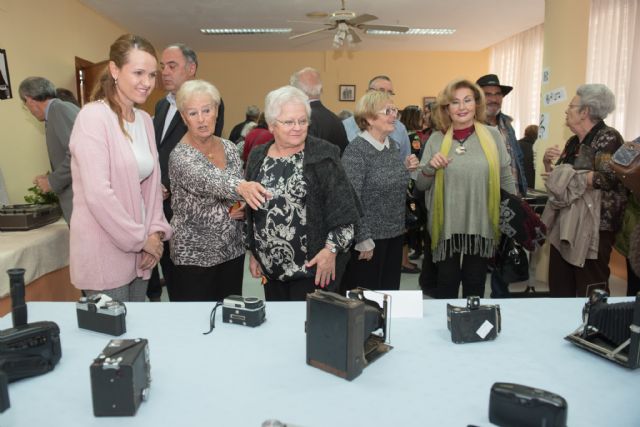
626, 165
512, 261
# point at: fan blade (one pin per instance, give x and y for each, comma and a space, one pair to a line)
308, 33
361, 19
394, 28
297, 21
354, 36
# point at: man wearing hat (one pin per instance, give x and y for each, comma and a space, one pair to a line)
494, 92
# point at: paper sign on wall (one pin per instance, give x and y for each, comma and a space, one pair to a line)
546, 75
554, 96
543, 127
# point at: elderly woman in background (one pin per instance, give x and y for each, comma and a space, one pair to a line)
592, 145
117, 226
206, 182
299, 239
464, 166
379, 177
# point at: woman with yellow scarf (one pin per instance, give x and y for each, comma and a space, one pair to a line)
463, 167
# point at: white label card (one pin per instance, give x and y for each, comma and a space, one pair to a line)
484, 329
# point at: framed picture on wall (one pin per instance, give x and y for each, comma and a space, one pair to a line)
5, 82
426, 100
347, 93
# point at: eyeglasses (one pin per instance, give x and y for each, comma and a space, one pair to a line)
390, 92
389, 111
289, 124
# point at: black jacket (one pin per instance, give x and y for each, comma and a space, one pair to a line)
326, 125
330, 201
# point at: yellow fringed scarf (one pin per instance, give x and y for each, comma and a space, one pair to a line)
491, 153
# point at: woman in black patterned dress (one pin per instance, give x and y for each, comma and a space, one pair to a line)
206, 184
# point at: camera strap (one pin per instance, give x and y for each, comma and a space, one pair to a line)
212, 318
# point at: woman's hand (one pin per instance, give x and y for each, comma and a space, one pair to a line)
551, 155
366, 255
411, 162
165, 192
153, 246
253, 193
254, 267
237, 212
148, 261
438, 161
325, 262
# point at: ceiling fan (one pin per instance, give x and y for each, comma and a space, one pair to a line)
345, 22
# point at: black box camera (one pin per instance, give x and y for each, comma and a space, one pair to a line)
120, 378
515, 405
345, 334
247, 311
473, 323
610, 330
100, 313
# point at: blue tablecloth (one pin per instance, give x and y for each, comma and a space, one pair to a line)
241, 376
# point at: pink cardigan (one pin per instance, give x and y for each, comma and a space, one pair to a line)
107, 229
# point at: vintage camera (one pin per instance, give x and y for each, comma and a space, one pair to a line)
345, 334
515, 405
610, 330
100, 313
474, 322
247, 311
120, 378
27, 349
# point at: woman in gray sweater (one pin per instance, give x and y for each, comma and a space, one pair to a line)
379, 177
463, 167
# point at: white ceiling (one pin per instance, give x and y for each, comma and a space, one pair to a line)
479, 23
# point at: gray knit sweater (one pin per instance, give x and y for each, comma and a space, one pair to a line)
380, 180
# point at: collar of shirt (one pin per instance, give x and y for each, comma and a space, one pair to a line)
376, 144
46, 110
172, 99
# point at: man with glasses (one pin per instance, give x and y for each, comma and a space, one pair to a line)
324, 124
399, 134
494, 92
39, 97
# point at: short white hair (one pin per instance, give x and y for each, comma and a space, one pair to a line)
276, 99
192, 87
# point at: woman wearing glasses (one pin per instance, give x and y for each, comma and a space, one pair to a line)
379, 177
206, 183
299, 238
463, 167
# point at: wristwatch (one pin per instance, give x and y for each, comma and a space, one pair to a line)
331, 247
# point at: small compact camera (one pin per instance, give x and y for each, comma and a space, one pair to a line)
120, 378
474, 322
515, 405
100, 313
247, 311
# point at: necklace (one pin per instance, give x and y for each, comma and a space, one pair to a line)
461, 135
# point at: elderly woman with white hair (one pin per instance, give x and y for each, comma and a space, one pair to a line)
590, 149
206, 184
300, 237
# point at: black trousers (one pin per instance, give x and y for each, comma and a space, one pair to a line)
428, 278
154, 290
291, 290
382, 272
194, 283
633, 281
472, 273
566, 280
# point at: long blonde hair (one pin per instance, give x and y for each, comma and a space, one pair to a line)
440, 111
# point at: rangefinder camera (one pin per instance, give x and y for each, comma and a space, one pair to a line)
473, 323
120, 377
523, 406
247, 311
100, 313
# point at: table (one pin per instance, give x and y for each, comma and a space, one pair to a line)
241, 376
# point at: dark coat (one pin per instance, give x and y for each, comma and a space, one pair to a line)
330, 201
326, 125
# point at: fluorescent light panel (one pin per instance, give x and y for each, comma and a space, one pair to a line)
231, 31
415, 32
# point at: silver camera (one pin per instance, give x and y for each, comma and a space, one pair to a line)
101, 313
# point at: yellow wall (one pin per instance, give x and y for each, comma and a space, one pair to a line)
42, 38
566, 34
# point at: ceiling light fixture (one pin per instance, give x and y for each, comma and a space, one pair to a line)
415, 32
232, 31
341, 35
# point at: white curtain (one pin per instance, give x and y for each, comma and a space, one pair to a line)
517, 61
614, 59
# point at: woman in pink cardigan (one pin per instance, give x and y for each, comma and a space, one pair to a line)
118, 225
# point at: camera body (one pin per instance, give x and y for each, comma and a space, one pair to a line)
247, 311
473, 323
102, 314
120, 377
522, 406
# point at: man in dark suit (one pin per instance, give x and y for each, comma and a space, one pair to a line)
252, 114
39, 96
178, 64
324, 124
